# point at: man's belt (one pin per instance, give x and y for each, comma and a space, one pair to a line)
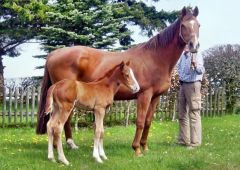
185, 82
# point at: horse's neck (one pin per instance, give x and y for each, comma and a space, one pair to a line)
176, 49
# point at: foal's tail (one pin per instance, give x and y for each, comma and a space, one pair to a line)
42, 117
49, 100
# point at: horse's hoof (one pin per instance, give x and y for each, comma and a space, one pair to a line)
71, 144
145, 148
138, 152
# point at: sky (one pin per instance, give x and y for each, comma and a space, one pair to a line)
219, 25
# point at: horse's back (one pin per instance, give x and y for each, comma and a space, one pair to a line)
72, 62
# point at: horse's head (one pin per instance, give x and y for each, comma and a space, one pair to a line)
189, 29
128, 77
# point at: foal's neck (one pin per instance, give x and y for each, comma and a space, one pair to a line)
113, 81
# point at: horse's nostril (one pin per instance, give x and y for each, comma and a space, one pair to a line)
198, 45
190, 44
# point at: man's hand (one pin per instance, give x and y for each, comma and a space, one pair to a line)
193, 61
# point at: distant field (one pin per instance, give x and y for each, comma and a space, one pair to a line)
20, 148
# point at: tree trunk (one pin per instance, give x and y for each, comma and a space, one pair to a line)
1, 78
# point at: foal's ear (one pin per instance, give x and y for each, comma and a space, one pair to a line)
122, 65
128, 63
195, 11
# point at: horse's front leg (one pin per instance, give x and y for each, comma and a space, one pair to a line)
68, 133
98, 147
143, 102
148, 121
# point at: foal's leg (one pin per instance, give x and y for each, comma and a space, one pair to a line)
148, 121
58, 131
61, 118
68, 133
99, 114
50, 141
143, 102
101, 150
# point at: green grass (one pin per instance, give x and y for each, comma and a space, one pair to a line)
22, 149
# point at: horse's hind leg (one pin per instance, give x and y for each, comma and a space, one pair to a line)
50, 141
68, 133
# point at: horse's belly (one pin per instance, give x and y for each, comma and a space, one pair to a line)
83, 107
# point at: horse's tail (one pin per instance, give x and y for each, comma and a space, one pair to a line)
42, 117
49, 100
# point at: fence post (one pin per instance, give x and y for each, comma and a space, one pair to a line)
223, 104
27, 103
127, 113
15, 104
215, 101
21, 104
33, 104
218, 95
4, 106
207, 105
10, 105
210, 102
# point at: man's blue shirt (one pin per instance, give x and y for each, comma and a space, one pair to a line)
185, 70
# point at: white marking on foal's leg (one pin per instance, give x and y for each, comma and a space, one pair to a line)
96, 151
61, 156
101, 150
71, 144
50, 144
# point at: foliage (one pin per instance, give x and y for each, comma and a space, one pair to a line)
99, 24
223, 67
19, 22
22, 149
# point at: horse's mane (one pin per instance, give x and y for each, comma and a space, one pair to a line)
109, 73
163, 38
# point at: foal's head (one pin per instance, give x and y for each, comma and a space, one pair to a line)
128, 78
189, 28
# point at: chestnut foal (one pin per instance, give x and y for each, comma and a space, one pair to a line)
96, 96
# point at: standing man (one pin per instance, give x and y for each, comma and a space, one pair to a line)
190, 69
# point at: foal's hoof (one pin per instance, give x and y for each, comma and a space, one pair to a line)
65, 162
104, 157
138, 152
98, 160
51, 159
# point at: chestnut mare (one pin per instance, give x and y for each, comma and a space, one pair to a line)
96, 96
152, 63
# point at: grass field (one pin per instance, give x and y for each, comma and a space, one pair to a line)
22, 149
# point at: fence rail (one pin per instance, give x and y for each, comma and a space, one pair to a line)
19, 106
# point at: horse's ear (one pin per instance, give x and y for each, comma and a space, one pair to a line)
195, 11
122, 65
128, 63
184, 12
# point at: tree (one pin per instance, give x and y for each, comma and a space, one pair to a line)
99, 23
222, 64
19, 23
